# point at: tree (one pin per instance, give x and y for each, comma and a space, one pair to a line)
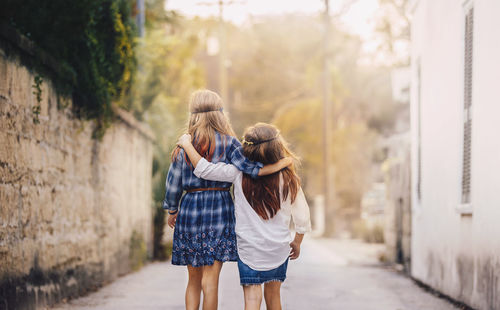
167, 75
393, 27
275, 77
92, 41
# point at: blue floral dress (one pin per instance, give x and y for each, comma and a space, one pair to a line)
204, 229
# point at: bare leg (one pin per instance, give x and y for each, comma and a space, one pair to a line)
253, 296
193, 289
272, 295
210, 285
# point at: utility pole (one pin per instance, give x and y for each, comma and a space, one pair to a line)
223, 88
140, 17
223, 61
327, 186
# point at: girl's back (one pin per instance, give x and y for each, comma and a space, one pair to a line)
264, 206
263, 211
227, 150
263, 244
204, 225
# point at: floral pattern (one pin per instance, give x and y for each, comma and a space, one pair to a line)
203, 248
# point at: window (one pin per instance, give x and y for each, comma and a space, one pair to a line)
467, 105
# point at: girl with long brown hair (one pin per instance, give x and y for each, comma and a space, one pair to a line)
263, 209
204, 235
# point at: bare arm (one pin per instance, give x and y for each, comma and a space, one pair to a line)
295, 246
194, 156
192, 153
277, 166
302, 222
204, 169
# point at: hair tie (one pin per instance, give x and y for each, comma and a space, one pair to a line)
259, 142
205, 111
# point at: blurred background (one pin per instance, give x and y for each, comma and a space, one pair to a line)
337, 87
94, 96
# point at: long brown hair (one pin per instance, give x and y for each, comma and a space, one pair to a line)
263, 143
206, 118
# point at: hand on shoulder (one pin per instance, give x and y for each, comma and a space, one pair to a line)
184, 140
287, 161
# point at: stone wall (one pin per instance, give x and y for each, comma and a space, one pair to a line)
75, 212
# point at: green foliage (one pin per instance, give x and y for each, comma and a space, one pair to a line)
160, 95
37, 91
156, 15
137, 251
167, 75
394, 31
36, 113
276, 77
92, 40
368, 233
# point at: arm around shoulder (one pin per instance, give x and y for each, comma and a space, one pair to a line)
221, 172
277, 166
236, 157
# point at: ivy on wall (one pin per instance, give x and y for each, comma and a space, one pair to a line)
92, 40
37, 91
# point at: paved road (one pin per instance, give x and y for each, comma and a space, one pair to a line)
330, 274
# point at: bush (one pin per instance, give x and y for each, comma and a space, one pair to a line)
138, 252
91, 39
368, 233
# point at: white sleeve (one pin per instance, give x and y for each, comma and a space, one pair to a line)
300, 213
221, 172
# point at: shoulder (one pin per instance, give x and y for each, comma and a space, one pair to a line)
178, 155
238, 183
228, 140
235, 141
232, 140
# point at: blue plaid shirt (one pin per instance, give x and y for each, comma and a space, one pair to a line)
180, 175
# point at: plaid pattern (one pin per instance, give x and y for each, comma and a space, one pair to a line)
204, 230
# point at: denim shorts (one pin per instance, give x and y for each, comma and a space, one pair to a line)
249, 276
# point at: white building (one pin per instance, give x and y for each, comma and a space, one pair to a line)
455, 122
400, 84
397, 175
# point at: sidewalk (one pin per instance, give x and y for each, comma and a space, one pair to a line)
330, 274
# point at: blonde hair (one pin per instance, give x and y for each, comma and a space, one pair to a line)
205, 120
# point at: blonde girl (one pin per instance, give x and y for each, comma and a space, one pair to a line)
203, 220
263, 208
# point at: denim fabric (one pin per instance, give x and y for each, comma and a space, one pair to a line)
249, 276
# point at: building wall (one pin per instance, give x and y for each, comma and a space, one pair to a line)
455, 252
397, 177
75, 212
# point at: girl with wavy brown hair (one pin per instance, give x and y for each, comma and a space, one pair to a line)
203, 220
263, 209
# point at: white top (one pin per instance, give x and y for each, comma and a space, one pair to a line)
262, 244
